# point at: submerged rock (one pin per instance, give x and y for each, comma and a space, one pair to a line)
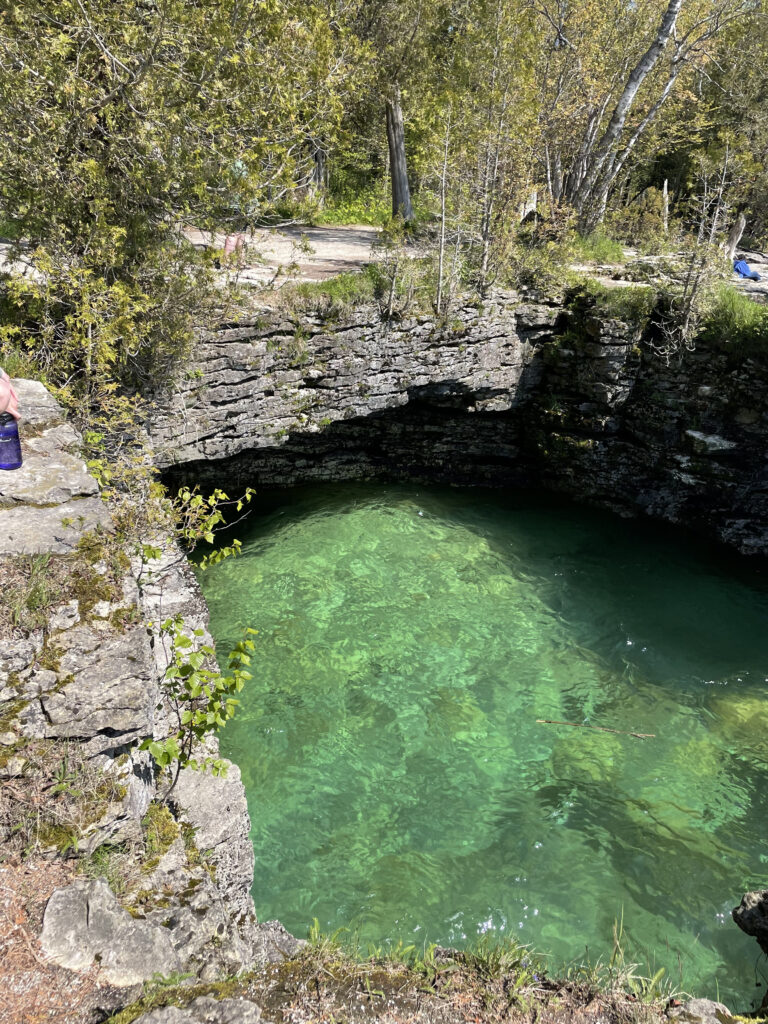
751, 916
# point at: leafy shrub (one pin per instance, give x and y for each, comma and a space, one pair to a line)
370, 206
641, 223
201, 699
543, 266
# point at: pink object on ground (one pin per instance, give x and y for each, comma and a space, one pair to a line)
234, 243
8, 400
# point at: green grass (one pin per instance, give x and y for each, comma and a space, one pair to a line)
633, 304
372, 207
333, 295
598, 247
737, 323
630, 970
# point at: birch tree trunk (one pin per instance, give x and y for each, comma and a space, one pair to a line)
601, 164
443, 188
401, 192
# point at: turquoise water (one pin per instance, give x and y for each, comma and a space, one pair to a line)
398, 779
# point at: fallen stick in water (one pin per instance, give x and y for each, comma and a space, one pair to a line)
599, 728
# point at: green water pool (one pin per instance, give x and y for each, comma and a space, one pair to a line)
398, 780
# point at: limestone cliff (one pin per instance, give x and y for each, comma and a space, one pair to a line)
512, 392
78, 694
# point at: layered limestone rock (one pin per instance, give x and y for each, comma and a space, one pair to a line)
514, 393
92, 676
50, 503
266, 379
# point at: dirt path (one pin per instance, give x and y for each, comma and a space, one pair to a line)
316, 252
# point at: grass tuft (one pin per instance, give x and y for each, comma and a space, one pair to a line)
632, 304
331, 297
598, 247
736, 322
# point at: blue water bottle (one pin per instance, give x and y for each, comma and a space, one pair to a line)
10, 446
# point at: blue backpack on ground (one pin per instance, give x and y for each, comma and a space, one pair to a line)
742, 269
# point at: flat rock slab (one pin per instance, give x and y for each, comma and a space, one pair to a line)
110, 692
84, 924
205, 1010
33, 531
51, 474
37, 405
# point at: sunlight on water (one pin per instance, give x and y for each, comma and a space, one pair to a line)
398, 780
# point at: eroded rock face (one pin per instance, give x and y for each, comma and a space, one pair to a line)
93, 677
512, 394
269, 378
217, 809
106, 692
84, 924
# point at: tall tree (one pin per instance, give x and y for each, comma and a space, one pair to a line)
608, 70
405, 41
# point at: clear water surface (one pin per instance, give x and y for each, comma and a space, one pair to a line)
398, 779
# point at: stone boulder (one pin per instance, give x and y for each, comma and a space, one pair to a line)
198, 921
272, 943
32, 531
751, 916
38, 408
84, 924
51, 472
701, 1011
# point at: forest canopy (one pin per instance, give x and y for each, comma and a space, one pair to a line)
125, 122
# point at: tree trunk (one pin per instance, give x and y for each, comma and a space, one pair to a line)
318, 177
441, 251
605, 151
734, 236
401, 193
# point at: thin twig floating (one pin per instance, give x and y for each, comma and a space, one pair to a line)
599, 728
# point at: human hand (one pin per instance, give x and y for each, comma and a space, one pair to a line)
8, 400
